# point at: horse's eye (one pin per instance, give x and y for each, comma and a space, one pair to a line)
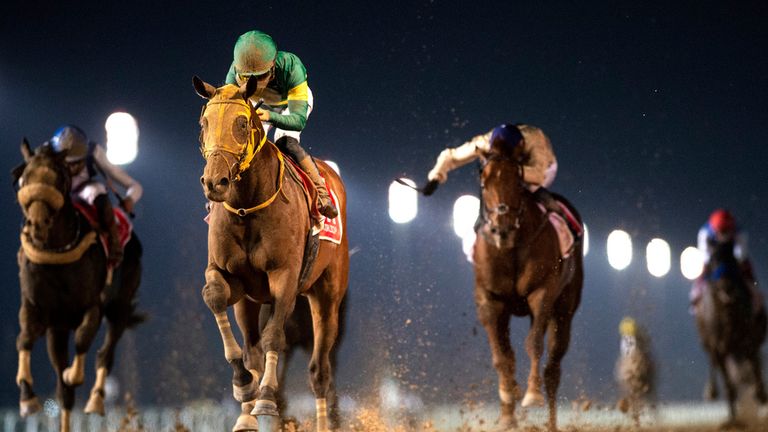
240, 129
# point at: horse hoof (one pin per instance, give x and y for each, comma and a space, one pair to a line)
71, 377
733, 425
264, 407
507, 422
95, 404
246, 423
710, 392
29, 407
532, 399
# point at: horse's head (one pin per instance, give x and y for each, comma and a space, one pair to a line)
45, 184
501, 181
231, 134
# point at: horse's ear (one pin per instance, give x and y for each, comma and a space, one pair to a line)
249, 88
26, 151
205, 90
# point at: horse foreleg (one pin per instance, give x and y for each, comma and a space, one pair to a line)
86, 331
757, 373
325, 323
710, 388
730, 391
494, 317
31, 329
247, 372
283, 284
558, 341
57, 341
534, 346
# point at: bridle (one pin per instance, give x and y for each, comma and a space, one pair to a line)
502, 208
242, 154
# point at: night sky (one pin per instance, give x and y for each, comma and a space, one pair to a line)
656, 113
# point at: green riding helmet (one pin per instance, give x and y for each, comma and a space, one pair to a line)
255, 53
71, 139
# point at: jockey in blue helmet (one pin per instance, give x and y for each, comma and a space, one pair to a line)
86, 160
539, 170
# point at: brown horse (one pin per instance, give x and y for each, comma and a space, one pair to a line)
62, 273
519, 270
257, 243
731, 333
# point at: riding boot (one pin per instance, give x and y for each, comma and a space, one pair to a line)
109, 226
325, 205
551, 205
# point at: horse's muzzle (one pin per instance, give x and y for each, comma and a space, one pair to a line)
215, 187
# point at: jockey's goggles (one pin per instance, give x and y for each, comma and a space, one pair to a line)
244, 76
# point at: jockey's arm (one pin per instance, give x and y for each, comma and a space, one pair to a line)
133, 189
540, 156
298, 106
452, 158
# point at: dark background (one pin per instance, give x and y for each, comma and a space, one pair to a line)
656, 112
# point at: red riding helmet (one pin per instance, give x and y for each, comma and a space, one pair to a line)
722, 221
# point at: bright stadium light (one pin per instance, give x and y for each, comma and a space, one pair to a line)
334, 166
122, 138
619, 249
658, 257
691, 263
403, 201
465, 211
585, 238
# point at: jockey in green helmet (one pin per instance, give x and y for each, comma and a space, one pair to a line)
282, 83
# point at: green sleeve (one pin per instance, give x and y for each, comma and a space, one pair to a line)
295, 120
231, 78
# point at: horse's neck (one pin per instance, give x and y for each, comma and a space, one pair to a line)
64, 229
259, 182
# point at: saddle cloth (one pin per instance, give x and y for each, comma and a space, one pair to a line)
328, 229
564, 234
124, 225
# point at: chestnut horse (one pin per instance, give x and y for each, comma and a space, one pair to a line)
62, 273
257, 238
731, 333
519, 270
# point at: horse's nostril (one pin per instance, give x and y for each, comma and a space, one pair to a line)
494, 230
202, 180
224, 181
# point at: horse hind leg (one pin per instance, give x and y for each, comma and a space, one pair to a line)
325, 323
104, 362
494, 317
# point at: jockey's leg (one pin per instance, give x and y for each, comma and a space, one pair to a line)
290, 145
551, 205
107, 221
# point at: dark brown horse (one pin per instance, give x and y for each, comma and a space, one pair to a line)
731, 332
257, 243
519, 270
62, 273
